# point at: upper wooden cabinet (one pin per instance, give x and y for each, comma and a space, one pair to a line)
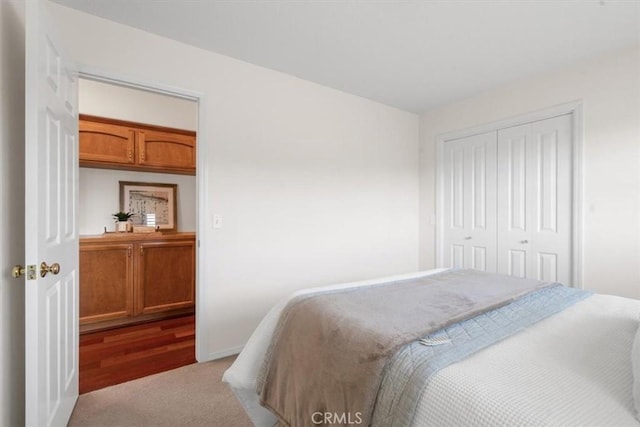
117, 144
106, 143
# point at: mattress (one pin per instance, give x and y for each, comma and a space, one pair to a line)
573, 368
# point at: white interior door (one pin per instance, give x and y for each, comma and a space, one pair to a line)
51, 324
534, 200
469, 234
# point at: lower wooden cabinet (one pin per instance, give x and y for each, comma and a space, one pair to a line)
126, 276
166, 276
106, 281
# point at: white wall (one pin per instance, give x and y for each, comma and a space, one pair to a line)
12, 219
99, 188
314, 186
125, 103
609, 88
100, 197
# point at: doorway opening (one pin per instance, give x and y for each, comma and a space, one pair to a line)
137, 160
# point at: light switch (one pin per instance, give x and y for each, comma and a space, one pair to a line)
217, 221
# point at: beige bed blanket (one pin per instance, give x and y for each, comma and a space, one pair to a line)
328, 352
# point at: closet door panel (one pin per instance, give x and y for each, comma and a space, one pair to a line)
479, 257
552, 233
483, 221
457, 256
534, 200
469, 236
547, 158
457, 205
479, 160
547, 267
516, 208
517, 263
454, 203
514, 201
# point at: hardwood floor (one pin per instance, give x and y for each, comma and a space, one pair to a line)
124, 354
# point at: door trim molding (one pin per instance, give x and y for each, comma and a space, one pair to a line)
90, 73
573, 108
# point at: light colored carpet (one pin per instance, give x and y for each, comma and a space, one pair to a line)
192, 395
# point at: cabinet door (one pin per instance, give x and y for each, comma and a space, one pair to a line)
166, 276
105, 144
106, 282
167, 150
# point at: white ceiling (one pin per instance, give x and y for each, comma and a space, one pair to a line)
414, 55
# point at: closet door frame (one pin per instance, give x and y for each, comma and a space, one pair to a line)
575, 109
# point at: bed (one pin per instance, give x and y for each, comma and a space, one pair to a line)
571, 367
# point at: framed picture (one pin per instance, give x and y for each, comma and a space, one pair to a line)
152, 204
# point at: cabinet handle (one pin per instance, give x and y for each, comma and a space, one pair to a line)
129, 251
467, 238
524, 242
141, 142
141, 250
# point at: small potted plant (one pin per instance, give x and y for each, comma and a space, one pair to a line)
122, 221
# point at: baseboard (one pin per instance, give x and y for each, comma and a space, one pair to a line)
222, 353
106, 325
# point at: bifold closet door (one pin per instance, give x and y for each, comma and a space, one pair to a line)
534, 200
469, 234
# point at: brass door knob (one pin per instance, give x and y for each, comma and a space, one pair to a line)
53, 269
17, 271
